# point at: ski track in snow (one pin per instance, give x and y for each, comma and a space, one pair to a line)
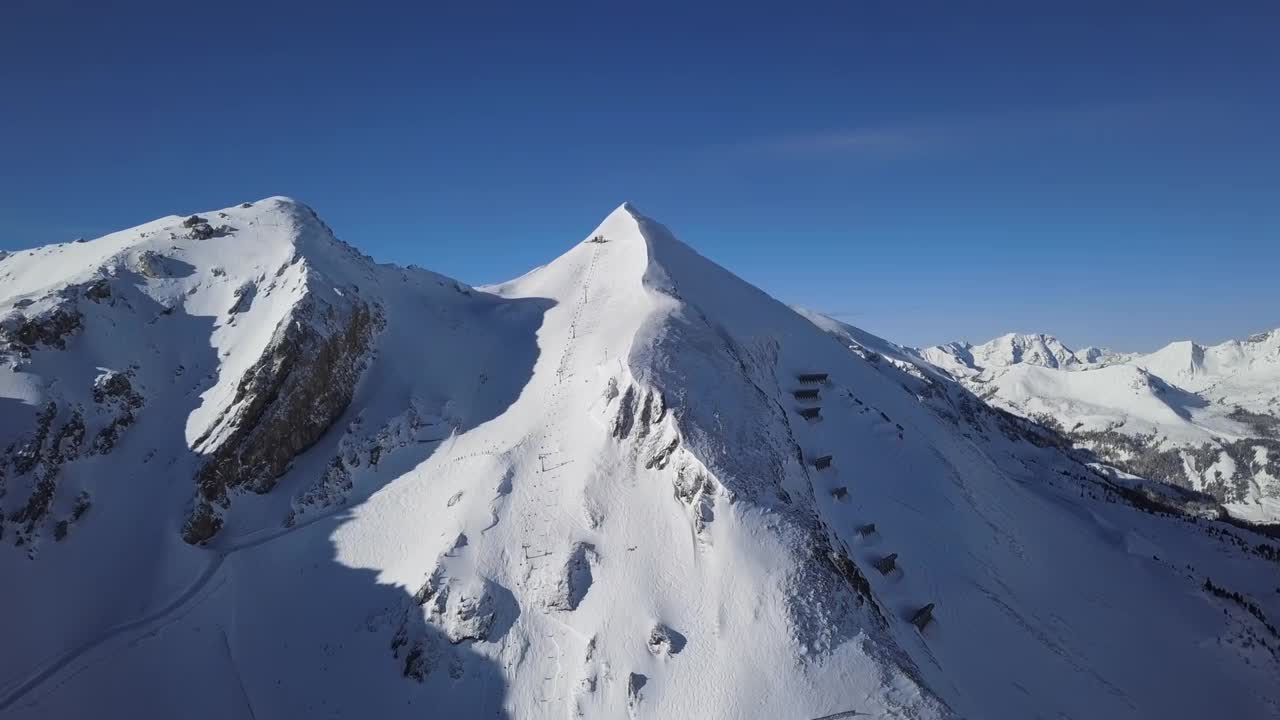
189, 597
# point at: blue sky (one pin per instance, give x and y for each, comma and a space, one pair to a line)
922, 170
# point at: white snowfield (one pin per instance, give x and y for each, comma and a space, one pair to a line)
1182, 398
589, 492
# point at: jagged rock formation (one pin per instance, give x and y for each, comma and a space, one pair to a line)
282, 405
21, 333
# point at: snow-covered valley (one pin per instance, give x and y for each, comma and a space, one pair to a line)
248, 472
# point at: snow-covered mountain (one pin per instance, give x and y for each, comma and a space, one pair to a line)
250, 473
962, 359
1206, 418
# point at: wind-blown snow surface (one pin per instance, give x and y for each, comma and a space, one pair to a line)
1206, 418
584, 493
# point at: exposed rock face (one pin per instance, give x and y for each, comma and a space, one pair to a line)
113, 389
468, 617
42, 455
923, 616
665, 641
450, 610
37, 458
573, 580
77, 511
360, 452
283, 404
199, 228
112, 385
150, 264
329, 490
205, 231
635, 686
50, 328
98, 290
244, 295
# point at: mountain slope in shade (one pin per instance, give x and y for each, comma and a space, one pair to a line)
1202, 417
626, 484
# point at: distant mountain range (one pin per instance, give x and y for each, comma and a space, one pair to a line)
965, 359
1202, 417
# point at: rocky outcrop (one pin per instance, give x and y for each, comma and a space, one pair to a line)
283, 404
51, 328
695, 488
78, 511
58, 438
571, 582
42, 455
99, 290
359, 452
199, 228
113, 390
635, 688
115, 386
665, 641
448, 611
151, 264
244, 295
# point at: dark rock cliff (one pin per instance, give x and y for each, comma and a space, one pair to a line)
284, 403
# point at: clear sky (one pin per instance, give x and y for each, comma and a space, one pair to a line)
927, 171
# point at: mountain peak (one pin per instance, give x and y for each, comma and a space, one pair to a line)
1031, 348
1010, 349
617, 219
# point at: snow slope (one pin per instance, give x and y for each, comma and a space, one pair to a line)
588, 492
1206, 418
